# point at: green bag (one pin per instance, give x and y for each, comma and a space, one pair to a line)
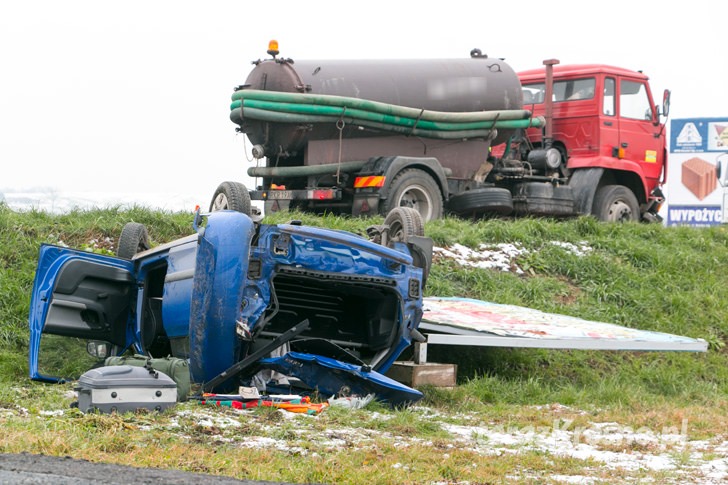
176, 368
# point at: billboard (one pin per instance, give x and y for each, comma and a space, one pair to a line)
696, 171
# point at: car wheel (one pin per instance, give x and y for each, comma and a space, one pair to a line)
231, 196
488, 200
415, 189
134, 238
615, 203
404, 222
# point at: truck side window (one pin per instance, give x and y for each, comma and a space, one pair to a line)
633, 101
533, 93
579, 89
574, 89
563, 91
609, 108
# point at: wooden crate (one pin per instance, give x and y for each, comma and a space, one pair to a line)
428, 373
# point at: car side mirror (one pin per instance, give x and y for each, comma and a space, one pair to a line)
666, 102
98, 349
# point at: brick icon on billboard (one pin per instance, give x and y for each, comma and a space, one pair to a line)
699, 176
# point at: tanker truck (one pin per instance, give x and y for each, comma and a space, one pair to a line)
469, 137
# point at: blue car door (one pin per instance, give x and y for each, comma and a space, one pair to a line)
78, 297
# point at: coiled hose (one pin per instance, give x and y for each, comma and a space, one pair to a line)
280, 107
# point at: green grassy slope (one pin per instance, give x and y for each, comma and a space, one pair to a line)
645, 276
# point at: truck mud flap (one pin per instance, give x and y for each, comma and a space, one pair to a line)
584, 183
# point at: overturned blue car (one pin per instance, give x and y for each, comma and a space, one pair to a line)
231, 293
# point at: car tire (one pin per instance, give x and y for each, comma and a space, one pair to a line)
616, 203
488, 200
134, 238
231, 196
404, 222
415, 189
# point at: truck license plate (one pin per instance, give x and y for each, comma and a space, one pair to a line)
279, 195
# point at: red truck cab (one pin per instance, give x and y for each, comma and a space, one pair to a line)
603, 117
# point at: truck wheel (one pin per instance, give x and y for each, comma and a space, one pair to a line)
231, 196
134, 238
488, 200
615, 203
415, 189
404, 222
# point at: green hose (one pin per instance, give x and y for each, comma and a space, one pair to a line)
377, 107
280, 107
336, 112
277, 117
306, 170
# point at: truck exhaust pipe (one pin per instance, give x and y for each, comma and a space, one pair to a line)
549, 102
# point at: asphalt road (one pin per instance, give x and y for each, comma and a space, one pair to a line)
26, 468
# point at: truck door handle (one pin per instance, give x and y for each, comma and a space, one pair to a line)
607, 123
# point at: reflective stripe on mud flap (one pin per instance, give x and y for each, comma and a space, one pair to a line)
371, 181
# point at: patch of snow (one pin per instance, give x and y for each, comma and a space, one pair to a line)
581, 480
615, 446
500, 256
588, 443
580, 249
208, 419
56, 412
264, 442
715, 470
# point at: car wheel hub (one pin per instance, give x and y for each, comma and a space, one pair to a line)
221, 202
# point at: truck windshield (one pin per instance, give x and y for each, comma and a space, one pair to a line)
570, 90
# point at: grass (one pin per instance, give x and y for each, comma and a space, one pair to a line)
644, 276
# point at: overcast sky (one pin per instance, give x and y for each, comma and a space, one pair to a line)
134, 96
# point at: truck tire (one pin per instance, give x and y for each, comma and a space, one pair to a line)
404, 222
134, 238
615, 203
231, 196
414, 188
488, 200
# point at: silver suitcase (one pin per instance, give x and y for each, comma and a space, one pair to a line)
121, 388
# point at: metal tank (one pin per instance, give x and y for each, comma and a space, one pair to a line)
477, 83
